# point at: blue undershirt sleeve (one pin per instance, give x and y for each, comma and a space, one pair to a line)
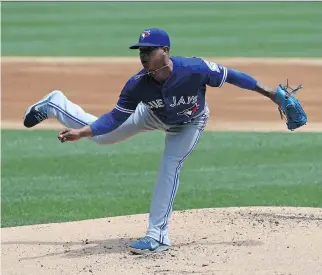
241, 80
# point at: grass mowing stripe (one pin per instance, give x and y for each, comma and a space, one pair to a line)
50, 29
213, 179
61, 182
32, 212
125, 7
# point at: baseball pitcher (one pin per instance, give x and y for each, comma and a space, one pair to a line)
167, 94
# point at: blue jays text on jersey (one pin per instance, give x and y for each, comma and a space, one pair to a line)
181, 97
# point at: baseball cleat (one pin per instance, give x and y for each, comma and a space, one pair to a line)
37, 112
147, 245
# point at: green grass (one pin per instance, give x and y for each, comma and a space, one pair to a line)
45, 181
269, 29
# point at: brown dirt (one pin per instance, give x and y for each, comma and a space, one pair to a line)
96, 83
232, 241
245, 241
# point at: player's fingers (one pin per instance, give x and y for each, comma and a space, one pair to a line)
66, 133
62, 135
67, 138
66, 130
63, 139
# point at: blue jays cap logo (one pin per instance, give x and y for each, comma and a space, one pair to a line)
145, 34
152, 38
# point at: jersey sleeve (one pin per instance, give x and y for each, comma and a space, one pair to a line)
128, 99
126, 105
214, 74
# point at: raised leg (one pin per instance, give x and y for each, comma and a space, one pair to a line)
57, 105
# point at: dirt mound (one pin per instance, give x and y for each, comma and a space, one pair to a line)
205, 241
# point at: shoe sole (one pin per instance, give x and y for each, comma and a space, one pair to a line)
44, 99
161, 248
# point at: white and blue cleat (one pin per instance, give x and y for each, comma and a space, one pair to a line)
147, 245
37, 112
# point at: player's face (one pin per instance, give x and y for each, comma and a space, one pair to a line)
152, 58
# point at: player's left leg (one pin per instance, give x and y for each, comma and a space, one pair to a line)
180, 142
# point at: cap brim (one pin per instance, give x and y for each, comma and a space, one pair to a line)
138, 45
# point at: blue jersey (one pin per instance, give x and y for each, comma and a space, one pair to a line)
181, 97
178, 100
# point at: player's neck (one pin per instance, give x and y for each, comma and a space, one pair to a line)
163, 75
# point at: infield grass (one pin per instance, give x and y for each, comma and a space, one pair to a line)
45, 181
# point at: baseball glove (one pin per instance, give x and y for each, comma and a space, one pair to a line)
290, 108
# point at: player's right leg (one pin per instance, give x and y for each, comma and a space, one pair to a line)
56, 105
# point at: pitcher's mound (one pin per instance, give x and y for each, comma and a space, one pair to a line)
246, 241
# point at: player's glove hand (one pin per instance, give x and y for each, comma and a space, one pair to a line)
290, 108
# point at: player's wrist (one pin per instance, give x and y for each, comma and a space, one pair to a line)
272, 95
266, 91
85, 132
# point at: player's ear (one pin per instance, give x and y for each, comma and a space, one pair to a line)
165, 50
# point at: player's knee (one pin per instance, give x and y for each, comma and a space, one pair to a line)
172, 159
57, 94
60, 93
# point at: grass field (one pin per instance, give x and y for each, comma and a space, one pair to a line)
206, 29
45, 181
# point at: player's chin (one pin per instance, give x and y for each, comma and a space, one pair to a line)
148, 67
145, 65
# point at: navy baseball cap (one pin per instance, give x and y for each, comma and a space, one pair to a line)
153, 38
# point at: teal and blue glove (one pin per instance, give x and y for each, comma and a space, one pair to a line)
290, 108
